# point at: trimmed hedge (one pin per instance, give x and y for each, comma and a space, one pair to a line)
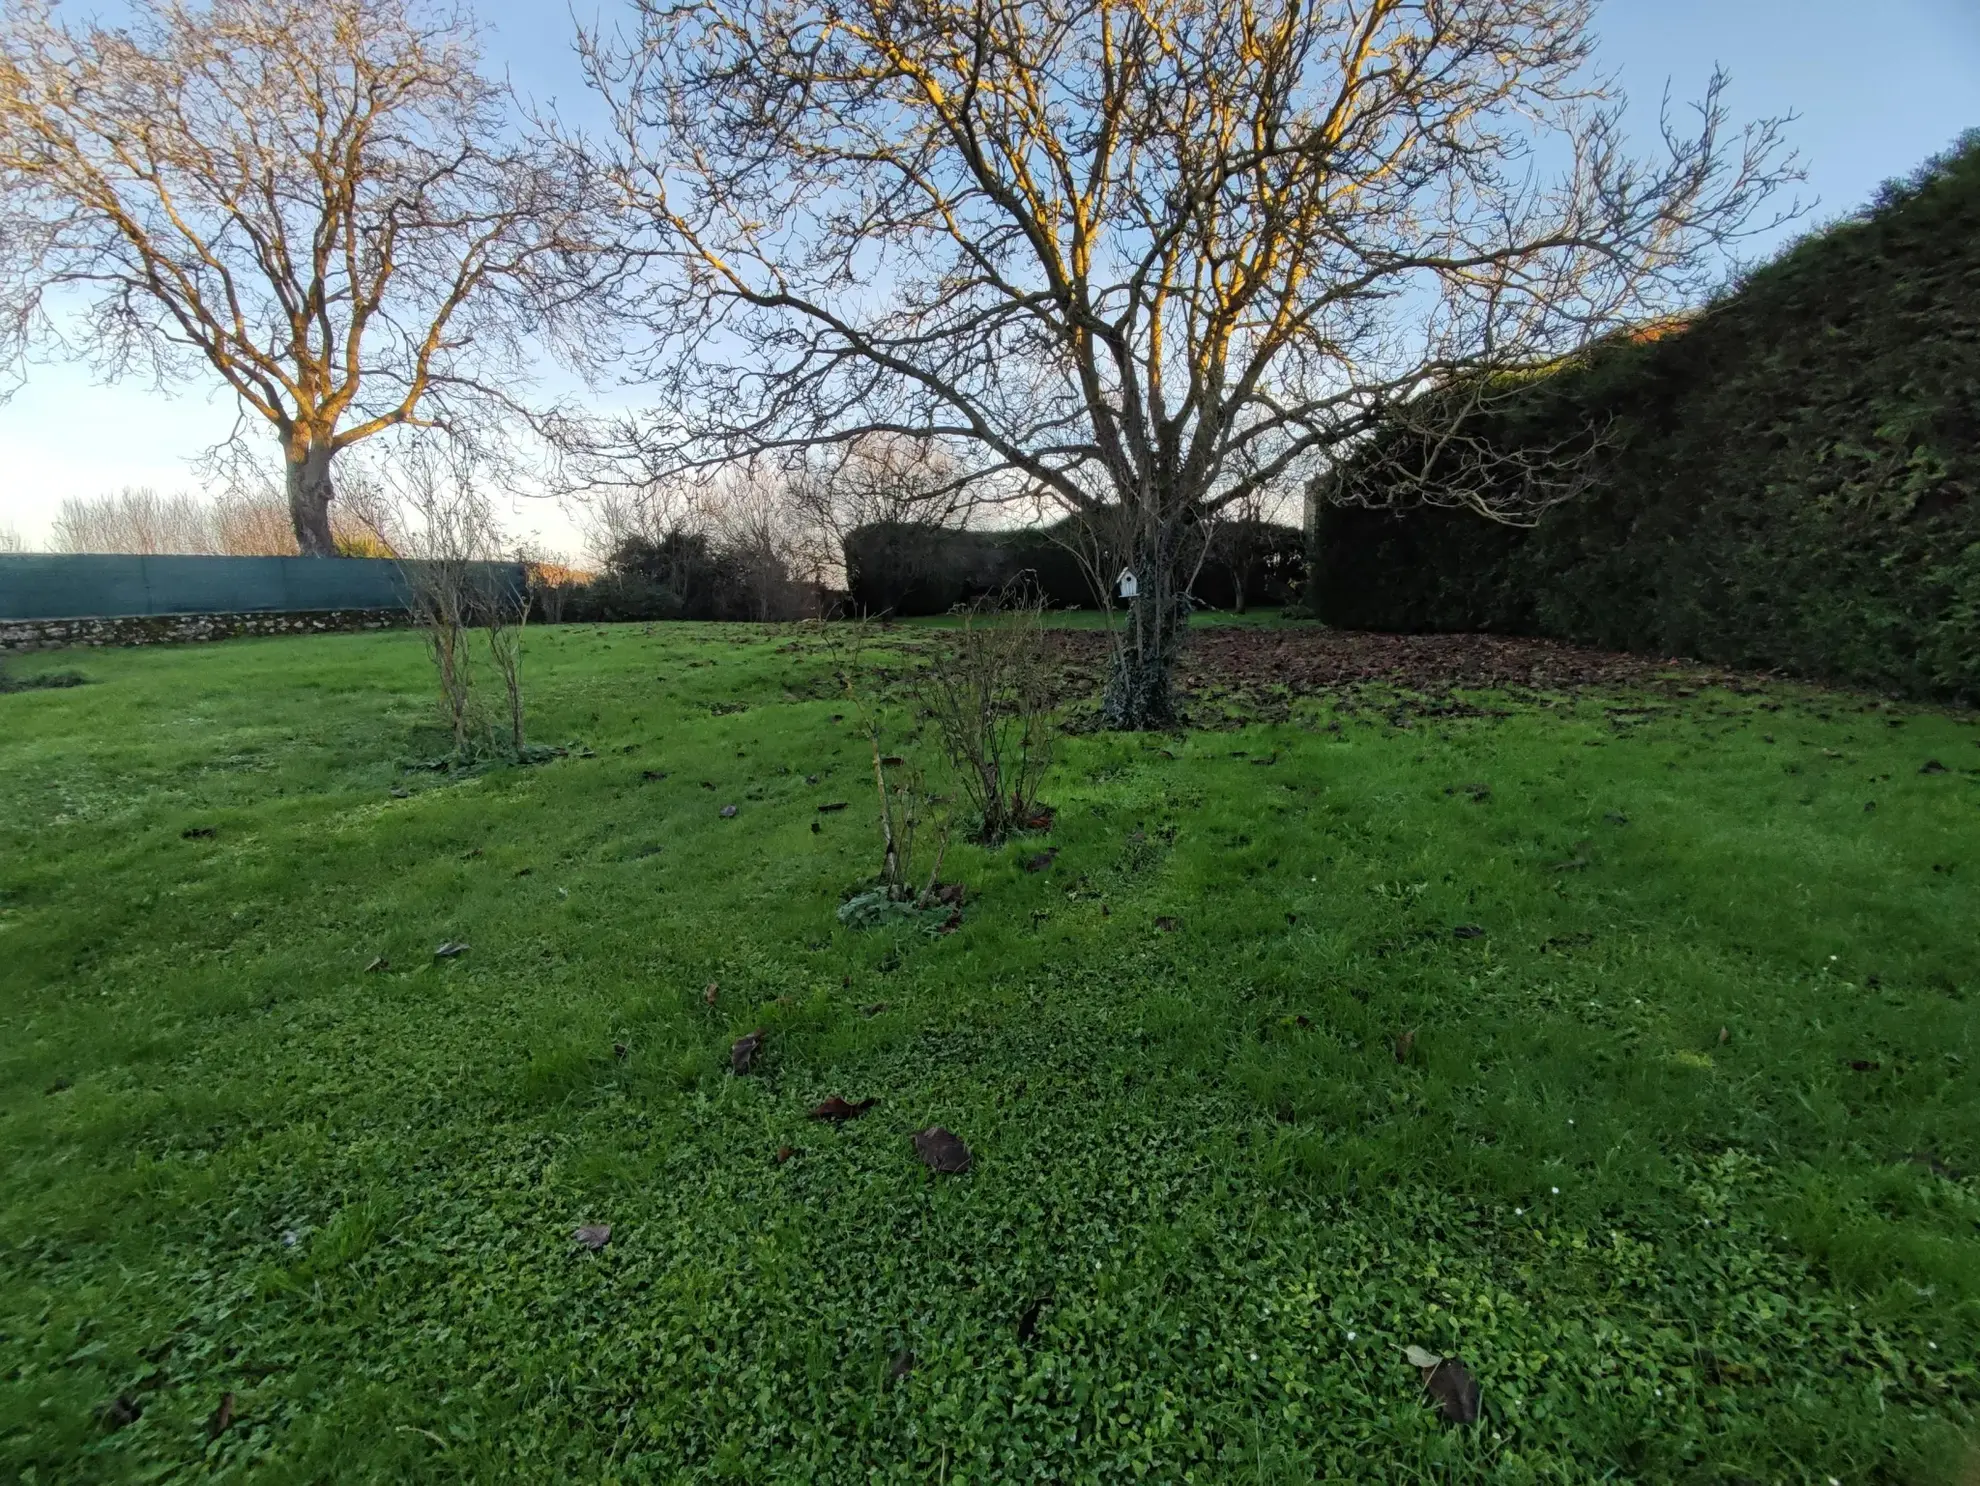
1794, 481
907, 569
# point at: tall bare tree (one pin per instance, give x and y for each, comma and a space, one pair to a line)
324, 203
1141, 256
136, 519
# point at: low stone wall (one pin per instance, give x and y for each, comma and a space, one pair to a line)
19, 635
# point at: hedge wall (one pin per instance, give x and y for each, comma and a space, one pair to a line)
907, 569
1794, 480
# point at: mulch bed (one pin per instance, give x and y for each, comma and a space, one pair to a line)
1232, 675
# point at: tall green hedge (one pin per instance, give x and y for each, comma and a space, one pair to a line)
908, 569
1793, 478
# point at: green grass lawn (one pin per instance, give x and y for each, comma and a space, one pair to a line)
1680, 1156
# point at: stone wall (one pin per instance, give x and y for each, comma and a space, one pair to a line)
19, 635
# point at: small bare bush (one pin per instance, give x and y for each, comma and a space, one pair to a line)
989, 692
908, 813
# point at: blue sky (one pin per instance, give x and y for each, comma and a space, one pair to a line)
1878, 86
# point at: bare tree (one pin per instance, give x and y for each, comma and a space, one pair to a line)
882, 480
322, 202
1142, 258
11, 540
136, 519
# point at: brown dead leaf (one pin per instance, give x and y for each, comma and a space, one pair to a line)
784, 1153
1725, 1036
120, 1412
1454, 1390
838, 1109
1027, 1326
743, 1051
941, 1151
222, 1418
708, 994
592, 1236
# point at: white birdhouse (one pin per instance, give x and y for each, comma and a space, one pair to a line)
1125, 583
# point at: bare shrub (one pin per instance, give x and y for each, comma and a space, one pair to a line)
907, 811
451, 536
989, 692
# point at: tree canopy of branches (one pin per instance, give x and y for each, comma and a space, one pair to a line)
324, 203
1143, 257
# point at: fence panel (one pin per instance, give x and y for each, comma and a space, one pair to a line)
117, 586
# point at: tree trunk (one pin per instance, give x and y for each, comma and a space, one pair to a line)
310, 493
1140, 696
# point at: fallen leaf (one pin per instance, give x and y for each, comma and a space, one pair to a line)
1405, 1044
728, 812
207, 833
1933, 766
1027, 1326
121, 1411
1468, 931
829, 808
743, 1051
593, 1236
838, 1109
941, 1150
380, 963
1040, 862
784, 1153
708, 995
1725, 1035
222, 1417
1420, 1357
450, 950
1455, 1390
